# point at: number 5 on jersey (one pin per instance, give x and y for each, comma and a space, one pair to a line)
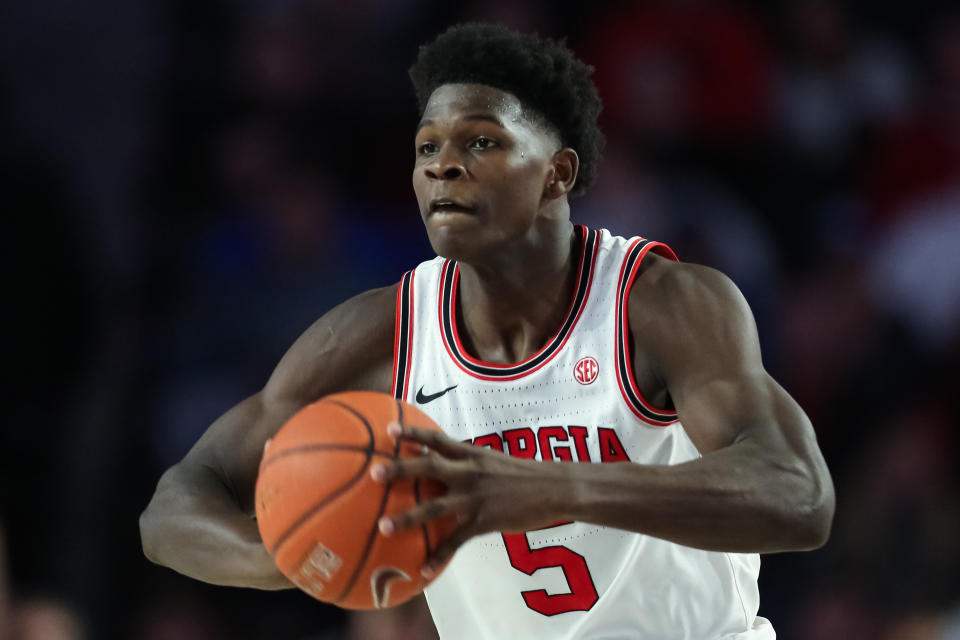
583, 594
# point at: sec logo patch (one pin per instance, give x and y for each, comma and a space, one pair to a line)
586, 370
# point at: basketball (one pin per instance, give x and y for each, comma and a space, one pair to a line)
317, 506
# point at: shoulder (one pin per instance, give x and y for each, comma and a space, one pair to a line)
689, 313
349, 347
666, 290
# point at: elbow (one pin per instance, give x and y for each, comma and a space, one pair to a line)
155, 521
801, 503
148, 535
813, 516
815, 526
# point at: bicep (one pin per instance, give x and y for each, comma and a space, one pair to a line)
704, 340
745, 407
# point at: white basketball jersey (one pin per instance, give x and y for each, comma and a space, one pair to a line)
574, 400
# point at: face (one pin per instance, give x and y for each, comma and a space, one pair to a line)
481, 170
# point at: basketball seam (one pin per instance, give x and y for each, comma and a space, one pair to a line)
373, 530
322, 447
338, 492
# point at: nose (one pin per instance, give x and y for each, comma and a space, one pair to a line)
446, 165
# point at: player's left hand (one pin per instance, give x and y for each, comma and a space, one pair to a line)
487, 490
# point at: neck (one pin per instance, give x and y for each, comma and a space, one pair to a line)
509, 307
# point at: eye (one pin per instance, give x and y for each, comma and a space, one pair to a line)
426, 148
482, 142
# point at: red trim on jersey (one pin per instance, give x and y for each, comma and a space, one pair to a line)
403, 336
623, 339
406, 377
396, 337
575, 310
443, 334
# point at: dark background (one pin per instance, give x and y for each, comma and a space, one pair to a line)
187, 185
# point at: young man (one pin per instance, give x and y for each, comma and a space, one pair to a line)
553, 343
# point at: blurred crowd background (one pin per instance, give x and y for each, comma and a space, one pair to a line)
187, 185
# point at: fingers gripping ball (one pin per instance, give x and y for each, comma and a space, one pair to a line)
317, 507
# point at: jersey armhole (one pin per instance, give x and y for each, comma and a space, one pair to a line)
625, 378
403, 337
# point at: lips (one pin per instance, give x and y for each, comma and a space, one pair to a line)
450, 205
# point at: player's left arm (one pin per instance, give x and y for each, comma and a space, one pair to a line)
760, 485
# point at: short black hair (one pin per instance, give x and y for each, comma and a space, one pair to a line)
542, 73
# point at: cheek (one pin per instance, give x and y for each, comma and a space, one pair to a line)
523, 182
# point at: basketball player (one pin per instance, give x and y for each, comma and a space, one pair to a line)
558, 345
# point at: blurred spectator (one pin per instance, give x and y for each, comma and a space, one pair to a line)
836, 79
915, 269
531, 17
46, 619
409, 621
680, 72
829, 327
950, 625
180, 620
918, 156
688, 210
835, 610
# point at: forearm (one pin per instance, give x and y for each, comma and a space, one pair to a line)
202, 533
739, 499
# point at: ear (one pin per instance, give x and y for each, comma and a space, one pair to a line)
563, 173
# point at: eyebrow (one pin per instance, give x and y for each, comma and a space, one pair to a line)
486, 117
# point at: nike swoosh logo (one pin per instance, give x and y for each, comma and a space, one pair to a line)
424, 399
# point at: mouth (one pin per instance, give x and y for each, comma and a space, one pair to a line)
448, 205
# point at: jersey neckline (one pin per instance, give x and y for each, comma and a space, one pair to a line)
449, 281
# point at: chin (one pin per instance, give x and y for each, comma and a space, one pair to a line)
458, 244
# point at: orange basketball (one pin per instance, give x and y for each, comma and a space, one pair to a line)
317, 506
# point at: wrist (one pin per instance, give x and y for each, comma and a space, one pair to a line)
563, 491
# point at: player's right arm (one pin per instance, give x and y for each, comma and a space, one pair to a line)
200, 521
